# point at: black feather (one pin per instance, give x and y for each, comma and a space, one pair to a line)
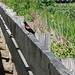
28, 28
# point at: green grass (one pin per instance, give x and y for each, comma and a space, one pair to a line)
63, 21
59, 17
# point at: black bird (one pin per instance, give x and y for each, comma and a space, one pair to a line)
28, 28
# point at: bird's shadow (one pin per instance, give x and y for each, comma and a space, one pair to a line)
2, 71
1, 48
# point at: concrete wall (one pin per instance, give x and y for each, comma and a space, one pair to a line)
69, 63
41, 62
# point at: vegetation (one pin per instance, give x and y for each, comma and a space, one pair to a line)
60, 18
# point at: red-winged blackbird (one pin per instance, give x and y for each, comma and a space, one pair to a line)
28, 28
